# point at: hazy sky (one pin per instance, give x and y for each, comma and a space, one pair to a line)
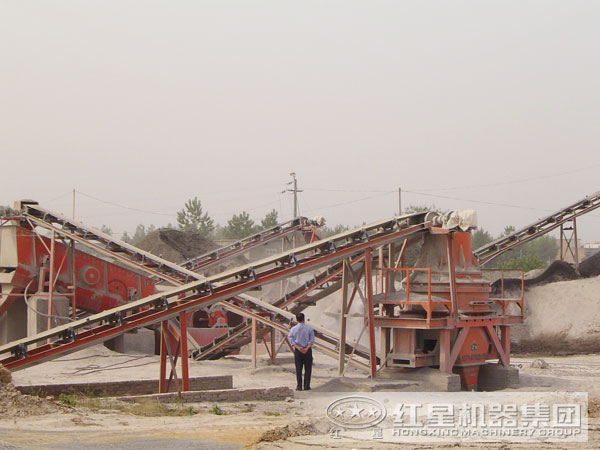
148, 103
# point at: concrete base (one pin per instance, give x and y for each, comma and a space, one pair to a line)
128, 387
226, 395
36, 323
493, 377
140, 341
13, 324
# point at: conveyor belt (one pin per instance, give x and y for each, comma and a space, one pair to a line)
239, 337
142, 260
199, 293
221, 254
542, 226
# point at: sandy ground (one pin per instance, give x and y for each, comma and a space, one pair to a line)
243, 423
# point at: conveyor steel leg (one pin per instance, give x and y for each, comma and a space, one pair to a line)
445, 349
505, 341
183, 347
253, 345
370, 315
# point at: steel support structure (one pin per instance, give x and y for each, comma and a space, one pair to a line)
218, 288
569, 245
174, 347
370, 311
558, 219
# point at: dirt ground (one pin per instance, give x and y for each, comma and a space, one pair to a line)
257, 425
555, 330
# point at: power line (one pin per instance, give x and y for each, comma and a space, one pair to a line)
346, 190
475, 201
125, 207
350, 202
504, 205
522, 180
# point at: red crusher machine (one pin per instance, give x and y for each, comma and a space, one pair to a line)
440, 312
61, 281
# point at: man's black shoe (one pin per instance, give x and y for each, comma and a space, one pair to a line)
298, 388
307, 389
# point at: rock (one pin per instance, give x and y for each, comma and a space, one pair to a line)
5, 376
539, 364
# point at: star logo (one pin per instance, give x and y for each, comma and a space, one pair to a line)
355, 411
373, 412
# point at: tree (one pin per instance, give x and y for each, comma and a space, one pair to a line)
140, 233
270, 220
239, 226
421, 208
481, 238
6, 211
328, 232
527, 263
543, 248
191, 218
508, 229
106, 230
125, 237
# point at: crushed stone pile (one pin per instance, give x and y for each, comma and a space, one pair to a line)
15, 404
175, 245
178, 246
560, 318
288, 431
590, 267
556, 271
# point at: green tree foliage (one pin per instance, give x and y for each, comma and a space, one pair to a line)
527, 263
126, 238
421, 208
481, 238
270, 220
106, 230
6, 211
192, 218
543, 248
239, 226
140, 233
328, 232
508, 229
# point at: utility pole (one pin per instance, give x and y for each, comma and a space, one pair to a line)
295, 190
399, 201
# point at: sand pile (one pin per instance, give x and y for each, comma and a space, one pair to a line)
15, 404
175, 245
560, 318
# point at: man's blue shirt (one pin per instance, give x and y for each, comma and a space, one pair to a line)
302, 335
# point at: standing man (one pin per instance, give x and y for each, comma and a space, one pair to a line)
302, 338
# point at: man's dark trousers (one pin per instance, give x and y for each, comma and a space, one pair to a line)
303, 360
